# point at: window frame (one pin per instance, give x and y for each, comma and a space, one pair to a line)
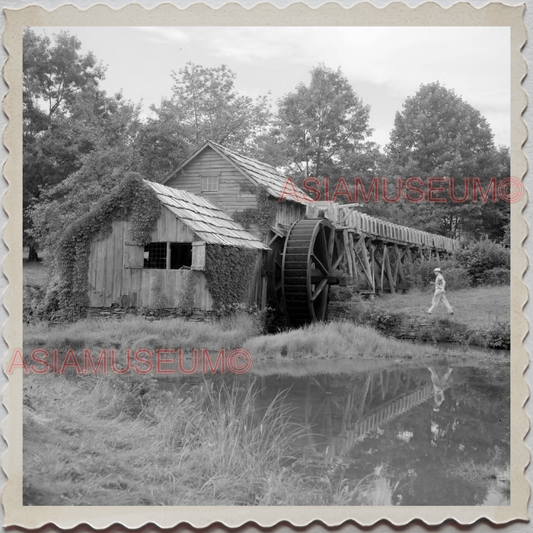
134, 255
215, 183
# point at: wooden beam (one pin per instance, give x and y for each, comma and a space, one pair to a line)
399, 254
352, 258
386, 261
347, 254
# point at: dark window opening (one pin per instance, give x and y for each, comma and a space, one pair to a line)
155, 255
180, 255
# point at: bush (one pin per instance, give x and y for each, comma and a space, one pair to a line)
496, 276
499, 336
479, 257
495, 335
456, 276
32, 303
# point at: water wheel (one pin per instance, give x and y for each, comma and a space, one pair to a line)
310, 261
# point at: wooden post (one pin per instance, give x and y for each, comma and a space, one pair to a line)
352, 259
347, 254
386, 261
373, 265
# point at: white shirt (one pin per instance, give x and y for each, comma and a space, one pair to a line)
440, 284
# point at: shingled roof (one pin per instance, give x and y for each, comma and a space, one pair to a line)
206, 220
260, 174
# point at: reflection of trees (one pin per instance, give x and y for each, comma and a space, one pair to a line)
388, 417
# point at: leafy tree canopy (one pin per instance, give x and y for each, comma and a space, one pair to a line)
205, 105
55, 74
76, 139
104, 130
322, 122
438, 134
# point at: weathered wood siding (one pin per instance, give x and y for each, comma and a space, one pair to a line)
230, 196
289, 212
111, 283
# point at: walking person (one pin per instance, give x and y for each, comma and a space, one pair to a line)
439, 295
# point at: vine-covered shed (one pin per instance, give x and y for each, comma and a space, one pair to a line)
251, 192
173, 270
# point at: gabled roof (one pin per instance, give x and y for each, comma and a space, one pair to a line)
206, 220
260, 174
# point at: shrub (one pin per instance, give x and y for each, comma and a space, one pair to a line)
32, 303
499, 336
457, 278
495, 335
479, 257
496, 276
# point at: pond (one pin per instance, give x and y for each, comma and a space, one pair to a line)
419, 435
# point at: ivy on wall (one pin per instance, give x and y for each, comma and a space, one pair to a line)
263, 215
131, 198
229, 273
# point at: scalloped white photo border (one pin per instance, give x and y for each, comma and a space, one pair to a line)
395, 14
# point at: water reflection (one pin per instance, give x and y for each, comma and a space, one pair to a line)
432, 435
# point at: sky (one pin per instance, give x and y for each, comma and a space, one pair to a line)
384, 65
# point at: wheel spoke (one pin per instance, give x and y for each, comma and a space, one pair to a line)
337, 262
319, 264
319, 289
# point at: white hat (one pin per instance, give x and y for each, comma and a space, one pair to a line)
437, 270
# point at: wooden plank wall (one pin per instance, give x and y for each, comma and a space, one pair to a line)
289, 212
230, 196
111, 283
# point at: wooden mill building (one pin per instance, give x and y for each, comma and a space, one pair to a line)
126, 273
230, 181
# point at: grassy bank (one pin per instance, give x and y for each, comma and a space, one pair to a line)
474, 307
116, 440
481, 316
338, 340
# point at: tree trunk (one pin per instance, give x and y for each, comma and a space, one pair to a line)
32, 254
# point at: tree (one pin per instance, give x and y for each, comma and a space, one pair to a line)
438, 134
54, 75
204, 105
323, 121
161, 145
106, 129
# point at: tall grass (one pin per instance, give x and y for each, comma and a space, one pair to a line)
333, 340
84, 444
135, 332
340, 340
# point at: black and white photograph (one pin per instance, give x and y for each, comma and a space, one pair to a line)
269, 266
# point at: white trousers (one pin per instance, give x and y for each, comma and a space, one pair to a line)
440, 296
